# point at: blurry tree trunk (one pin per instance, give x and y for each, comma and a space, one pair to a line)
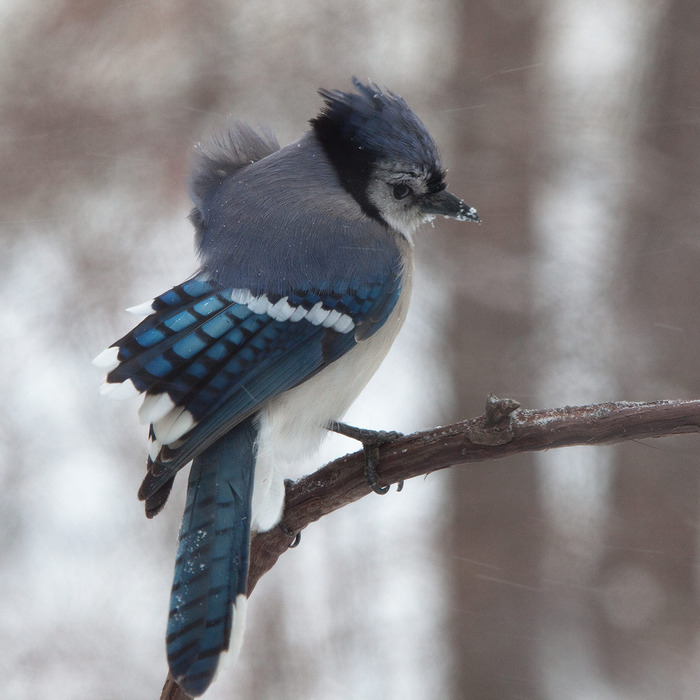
593, 95
492, 531
659, 543
643, 290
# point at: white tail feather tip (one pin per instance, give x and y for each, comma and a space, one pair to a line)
172, 426
155, 407
107, 359
154, 448
228, 658
184, 422
121, 392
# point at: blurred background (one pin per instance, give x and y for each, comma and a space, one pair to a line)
573, 128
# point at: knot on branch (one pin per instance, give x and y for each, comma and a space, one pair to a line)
495, 427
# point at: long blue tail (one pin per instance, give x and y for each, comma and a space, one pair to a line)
211, 569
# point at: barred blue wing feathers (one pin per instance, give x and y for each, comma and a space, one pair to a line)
207, 357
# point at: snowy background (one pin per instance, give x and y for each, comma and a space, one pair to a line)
574, 129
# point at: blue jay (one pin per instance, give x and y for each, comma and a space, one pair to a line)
306, 265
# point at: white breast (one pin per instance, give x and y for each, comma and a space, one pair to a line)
293, 424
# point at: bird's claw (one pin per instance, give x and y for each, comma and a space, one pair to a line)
285, 530
371, 461
290, 533
371, 441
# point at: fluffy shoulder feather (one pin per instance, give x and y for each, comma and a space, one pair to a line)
222, 156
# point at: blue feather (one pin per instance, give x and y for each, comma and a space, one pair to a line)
211, 568
220, 361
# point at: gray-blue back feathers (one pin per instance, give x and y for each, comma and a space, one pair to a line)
264, 227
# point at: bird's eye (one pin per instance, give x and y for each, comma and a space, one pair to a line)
401, 191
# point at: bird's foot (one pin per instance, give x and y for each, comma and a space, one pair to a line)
371, 441
285, 530
290, 533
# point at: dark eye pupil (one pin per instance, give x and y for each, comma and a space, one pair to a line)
401, 191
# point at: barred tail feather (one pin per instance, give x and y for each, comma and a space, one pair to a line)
209, 590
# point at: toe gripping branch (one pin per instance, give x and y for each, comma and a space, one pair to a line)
296, 536
371, 441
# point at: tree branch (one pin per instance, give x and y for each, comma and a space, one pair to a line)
505, 429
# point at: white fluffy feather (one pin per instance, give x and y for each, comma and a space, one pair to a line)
173, 425
293, 424
228, 658
121, 392
154, 447
155, 407
107, 359
282, 310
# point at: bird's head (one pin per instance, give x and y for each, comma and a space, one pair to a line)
385, 157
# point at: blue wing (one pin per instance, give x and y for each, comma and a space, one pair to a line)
207, 357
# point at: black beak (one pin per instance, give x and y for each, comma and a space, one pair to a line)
446, 204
